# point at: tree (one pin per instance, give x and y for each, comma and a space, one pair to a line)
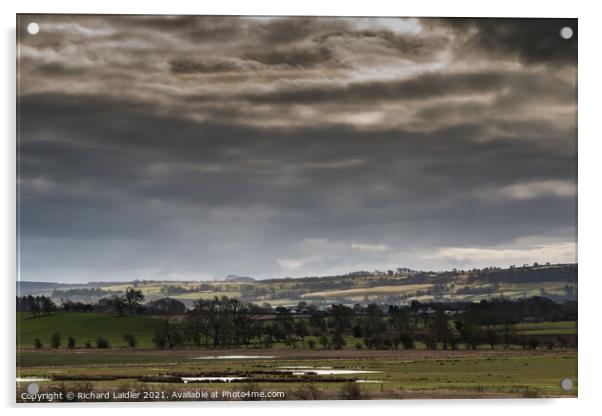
166, 307
267, 341
311, 344
373, 321
338, 342
130, 340
469, 329
102, 343
509, 334
133, 299
170, 335
439, 328
160, 340
290, 341
118, 304
325, 342
47, 306
491, 336
301, 330
55, 340
317, 323
533, 343
71, 342
340, 318
404, 325
37, 344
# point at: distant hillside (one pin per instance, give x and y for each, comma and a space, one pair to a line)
234, 278
557, 282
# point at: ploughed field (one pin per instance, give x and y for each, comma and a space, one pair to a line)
299, 373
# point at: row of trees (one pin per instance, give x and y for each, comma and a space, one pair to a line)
225, 322
131, 302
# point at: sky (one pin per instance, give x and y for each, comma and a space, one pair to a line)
196, 147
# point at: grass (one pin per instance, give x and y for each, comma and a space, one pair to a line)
85, 327
548, 328
519, 374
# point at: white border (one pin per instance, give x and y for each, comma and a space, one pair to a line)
590, 345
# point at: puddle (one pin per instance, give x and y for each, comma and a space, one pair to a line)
328, 372
226, 379
233, 357
31, 379
368, 381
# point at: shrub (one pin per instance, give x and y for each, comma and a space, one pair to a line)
102, 343
37, 344
88, 345
55, 340
130, 340
267, 341
358, 346
530, 393
252, 388
407, 341
71, 342
338, 342
309, 392
177, 339
350, 391
430, 343
291, 342
160, 340
311, 344
325, 342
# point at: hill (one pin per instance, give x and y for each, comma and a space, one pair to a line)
557, 282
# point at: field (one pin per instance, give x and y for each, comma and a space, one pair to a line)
309, 359
84, 327
385, 374
363, 291
391, 374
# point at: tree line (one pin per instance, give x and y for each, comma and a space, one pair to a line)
227, 322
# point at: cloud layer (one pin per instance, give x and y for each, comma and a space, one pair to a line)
197, 147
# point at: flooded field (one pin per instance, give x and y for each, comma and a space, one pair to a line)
306, 374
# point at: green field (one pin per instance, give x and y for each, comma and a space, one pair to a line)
85, 326
548, 328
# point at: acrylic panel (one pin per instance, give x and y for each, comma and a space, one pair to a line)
295, 208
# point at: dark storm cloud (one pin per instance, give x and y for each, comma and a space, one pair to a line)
181, 146
423, 87
529, 40
295, 57
209, 66
101, 144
